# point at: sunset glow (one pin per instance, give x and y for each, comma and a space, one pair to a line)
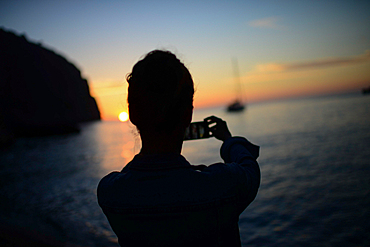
123, 116
284, 49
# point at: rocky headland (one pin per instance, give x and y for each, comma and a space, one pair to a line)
41, 93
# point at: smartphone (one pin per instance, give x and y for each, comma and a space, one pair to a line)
197, 130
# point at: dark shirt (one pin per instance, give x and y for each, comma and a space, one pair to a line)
162, 200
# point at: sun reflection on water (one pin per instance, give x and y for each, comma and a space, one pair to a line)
119, 142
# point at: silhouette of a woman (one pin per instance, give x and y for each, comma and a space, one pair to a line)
159, 199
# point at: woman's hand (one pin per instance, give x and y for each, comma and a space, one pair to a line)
220, 129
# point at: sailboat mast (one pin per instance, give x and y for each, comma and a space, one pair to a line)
238, 86
237, 105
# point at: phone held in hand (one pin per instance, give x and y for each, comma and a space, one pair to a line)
197, 130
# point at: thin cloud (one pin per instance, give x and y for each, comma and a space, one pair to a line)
321, 63
270, 23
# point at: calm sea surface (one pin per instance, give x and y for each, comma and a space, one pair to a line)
315, 163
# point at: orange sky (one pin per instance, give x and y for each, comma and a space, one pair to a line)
263, 82
283, 48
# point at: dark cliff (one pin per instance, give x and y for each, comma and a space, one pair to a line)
40, 92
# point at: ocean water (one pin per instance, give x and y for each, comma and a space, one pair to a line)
314, 159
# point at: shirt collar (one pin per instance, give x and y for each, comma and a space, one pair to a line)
158, 162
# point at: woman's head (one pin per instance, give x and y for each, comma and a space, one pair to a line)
160, 92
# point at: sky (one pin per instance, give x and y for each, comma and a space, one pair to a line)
283, 49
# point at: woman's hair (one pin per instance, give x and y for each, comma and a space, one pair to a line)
160, 91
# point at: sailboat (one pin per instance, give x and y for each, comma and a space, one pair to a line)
237, 105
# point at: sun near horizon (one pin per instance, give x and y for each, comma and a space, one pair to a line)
123, 116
